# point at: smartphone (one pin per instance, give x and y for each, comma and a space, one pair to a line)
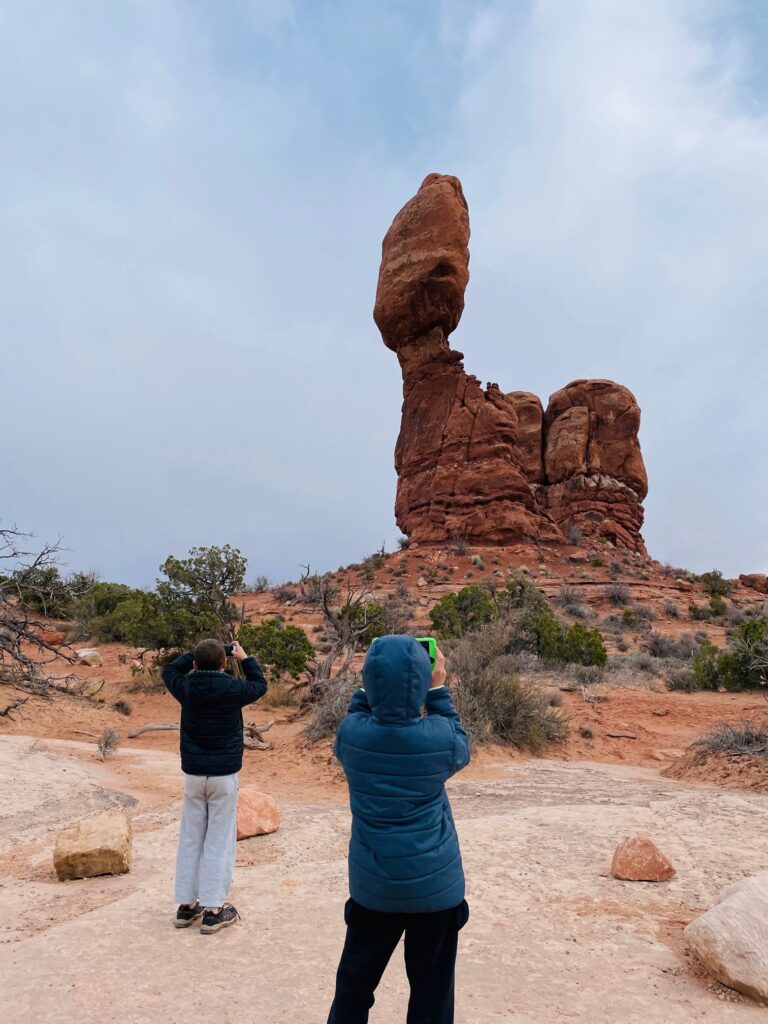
430, 646
229, 649
428, 643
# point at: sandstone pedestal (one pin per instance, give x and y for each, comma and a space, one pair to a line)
102, 845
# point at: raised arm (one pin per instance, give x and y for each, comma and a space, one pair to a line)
357, 706
255, 683
440, 702
174, 673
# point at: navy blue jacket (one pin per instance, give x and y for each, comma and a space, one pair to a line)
211, 713
404, 852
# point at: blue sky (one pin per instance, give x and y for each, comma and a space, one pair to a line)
193, 198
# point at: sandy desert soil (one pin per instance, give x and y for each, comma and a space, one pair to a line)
552, 936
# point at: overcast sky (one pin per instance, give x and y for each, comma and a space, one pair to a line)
192, 201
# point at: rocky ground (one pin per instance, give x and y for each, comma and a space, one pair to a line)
552, 936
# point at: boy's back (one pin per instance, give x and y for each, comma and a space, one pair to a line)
211, 741
405, 870
211, 745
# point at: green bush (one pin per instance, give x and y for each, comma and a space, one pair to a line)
714, 583
583, 646
42, 589
705, 666
281, 650
628, 618
718, 606
458, 613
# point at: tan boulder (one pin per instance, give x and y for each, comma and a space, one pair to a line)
102, 845
638, 859
257, 813
731, 938
90, 656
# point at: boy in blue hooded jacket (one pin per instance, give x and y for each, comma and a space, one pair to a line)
405, 870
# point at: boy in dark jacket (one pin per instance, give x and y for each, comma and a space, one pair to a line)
405, 871
211, 756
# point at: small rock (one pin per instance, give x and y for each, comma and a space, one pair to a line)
257, 814
731, 938
638, 859
423, 602
90, 656
421, 582
102, 845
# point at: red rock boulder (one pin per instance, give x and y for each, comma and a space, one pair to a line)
755, 581
257, 813
638, 859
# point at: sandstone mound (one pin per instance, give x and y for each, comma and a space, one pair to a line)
475, 461
731, 938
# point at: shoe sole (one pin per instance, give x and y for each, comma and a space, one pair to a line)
210, 929
189, 923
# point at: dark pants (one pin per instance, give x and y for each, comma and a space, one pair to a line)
430, 960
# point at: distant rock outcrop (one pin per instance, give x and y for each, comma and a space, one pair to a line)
474, 461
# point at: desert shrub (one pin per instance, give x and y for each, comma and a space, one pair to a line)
718, 606
281, 650
520, 593
568, 595
587, 675
363, 619
746, 663
284, 593
644, 614
459, 543
622, 645
260, 585
584, 646
42, 589
745, 737
705, 666
699, 613
597, 561
458, 613
403, 543
715, 584
331, 706
573, 534
555, 698
586, 733
108, 742
682, 679
628, 618
617, 593
736, 616
671, 609
660, 646
123, 707
640, 663
497, 706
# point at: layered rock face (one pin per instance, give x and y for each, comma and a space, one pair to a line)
474, 461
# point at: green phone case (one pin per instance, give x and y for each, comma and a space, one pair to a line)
428, 643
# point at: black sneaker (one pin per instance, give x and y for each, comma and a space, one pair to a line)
185, 916
214, 922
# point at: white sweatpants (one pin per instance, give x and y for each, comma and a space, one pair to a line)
207, 839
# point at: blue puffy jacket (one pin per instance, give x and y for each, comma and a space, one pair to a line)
404, 852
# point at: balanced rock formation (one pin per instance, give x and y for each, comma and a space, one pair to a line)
475, 461
638, 859
731, 938
102, 845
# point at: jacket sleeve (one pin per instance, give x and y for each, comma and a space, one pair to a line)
357, 706
255, 683
174, 673
440, 702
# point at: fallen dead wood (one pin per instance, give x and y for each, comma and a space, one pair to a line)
153, 727
7, 711
252, 738
621, 735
